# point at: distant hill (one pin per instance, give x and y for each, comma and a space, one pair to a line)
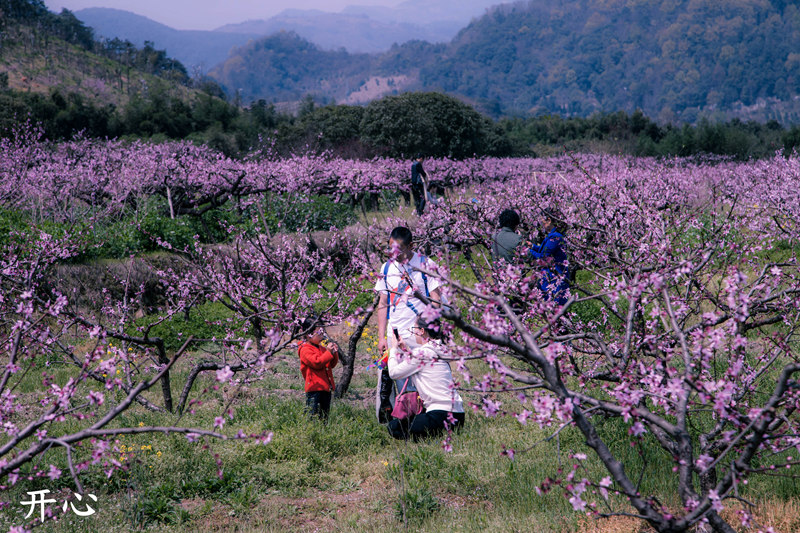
35, 60
676, 61
372, 28
356, 33
54, 73
443, 13
285, 67
192, 48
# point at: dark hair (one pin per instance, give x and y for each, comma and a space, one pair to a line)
509, 219
432, 327
310, 324
402, 235
557, 217
419, 156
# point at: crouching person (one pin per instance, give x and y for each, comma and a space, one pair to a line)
431, 375
316, 364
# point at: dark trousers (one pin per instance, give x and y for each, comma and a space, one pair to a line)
419, 197
385, 392
318, 403
427, 424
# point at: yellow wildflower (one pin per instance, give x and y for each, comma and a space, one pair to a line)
141, 424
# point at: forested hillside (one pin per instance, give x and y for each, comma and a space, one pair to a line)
672, 59
285, 67
54, 73
676, 60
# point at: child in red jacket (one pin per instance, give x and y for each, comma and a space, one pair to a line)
316, 363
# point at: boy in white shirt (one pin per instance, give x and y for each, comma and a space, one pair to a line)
398, 308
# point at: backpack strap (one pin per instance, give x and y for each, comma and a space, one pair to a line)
404, 387
423, 260
388, 294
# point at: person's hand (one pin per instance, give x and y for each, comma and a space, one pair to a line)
333, 348
382, 345
402, 345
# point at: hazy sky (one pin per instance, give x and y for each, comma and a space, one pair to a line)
210, 14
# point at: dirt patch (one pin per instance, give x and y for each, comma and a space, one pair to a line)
782, 516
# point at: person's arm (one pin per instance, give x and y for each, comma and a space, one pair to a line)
334, 349
383, 304
398, 369
315, 358
495, 248
423, 176
549, 248
436, 297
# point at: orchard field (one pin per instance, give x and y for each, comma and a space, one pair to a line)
149, 311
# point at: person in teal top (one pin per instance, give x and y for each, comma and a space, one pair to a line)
505, 241
554, 283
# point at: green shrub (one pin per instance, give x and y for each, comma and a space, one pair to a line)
11, 221
206, 321
300, 212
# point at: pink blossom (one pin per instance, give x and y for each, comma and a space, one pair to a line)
716, 504
54, 473
637, 429
703, 462
523, 416
96, 398
224, 374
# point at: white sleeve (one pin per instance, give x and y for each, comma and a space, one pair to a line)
402, 369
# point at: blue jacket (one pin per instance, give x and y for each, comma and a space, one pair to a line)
554, 283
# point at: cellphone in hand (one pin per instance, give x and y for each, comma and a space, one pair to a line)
396, 333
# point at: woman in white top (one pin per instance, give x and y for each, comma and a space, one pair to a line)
432, 377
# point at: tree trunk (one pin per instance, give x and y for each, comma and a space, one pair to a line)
165, 385
348, 362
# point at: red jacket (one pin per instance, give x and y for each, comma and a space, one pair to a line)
315, 365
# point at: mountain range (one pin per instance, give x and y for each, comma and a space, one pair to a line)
677, 60
357, 29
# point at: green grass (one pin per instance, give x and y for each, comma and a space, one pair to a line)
346, 475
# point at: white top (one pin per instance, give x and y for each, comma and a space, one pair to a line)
403, 306
429, 374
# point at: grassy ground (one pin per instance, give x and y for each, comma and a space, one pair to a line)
347, 475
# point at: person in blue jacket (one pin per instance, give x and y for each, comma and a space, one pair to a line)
554, 283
